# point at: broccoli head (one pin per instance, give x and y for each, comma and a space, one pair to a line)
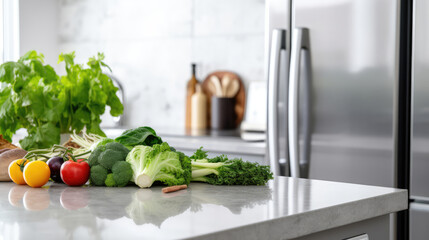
98, 175
110, 182
109, 157
117, 147
93, 158
102, 161
122, 173
113, 153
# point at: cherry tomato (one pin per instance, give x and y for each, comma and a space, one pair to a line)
75, 173
15, 171
36, 173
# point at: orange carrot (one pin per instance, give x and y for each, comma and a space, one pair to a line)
174, 188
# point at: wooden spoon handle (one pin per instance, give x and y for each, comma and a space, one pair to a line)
216, 82
233, 88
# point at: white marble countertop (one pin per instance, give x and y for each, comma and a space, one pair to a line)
285, 208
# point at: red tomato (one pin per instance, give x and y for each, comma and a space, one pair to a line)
75, 173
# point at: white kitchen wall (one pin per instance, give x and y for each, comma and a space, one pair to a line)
38, 23
150, 44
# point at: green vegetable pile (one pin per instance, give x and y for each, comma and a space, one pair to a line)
151, 160
108, 166
34, 97
223, 171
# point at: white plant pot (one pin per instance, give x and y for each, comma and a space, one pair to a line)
64, 138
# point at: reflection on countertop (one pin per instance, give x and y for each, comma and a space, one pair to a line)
142, 205
57, 211
88, 207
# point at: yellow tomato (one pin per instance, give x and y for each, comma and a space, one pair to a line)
15, 172
36, 173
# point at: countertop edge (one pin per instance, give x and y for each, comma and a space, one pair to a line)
303, 224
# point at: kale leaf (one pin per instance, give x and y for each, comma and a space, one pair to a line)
139, 136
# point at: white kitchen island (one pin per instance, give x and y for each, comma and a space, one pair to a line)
286, 208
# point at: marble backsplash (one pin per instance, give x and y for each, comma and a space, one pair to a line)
150, 44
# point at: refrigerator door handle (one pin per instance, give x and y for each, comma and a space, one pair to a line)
277, 44
300, 41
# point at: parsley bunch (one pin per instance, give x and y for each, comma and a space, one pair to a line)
34, 97
223, 171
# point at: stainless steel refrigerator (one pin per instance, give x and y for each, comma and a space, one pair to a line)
419, 188
332, 80
333, 71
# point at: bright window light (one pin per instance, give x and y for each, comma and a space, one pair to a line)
9, 30
1, 32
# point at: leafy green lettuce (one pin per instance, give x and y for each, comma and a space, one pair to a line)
159, 163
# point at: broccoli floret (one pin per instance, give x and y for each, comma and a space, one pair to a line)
113, 152
122, 173
98, 175
109, 157
117, 147
93, 158
110, 182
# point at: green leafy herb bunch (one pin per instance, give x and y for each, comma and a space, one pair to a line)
34, 97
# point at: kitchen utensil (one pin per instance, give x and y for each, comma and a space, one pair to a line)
225, 84
233, 88
216, 82
240, 97
223, 114
211, 88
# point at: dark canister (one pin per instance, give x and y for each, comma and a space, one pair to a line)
223, 113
